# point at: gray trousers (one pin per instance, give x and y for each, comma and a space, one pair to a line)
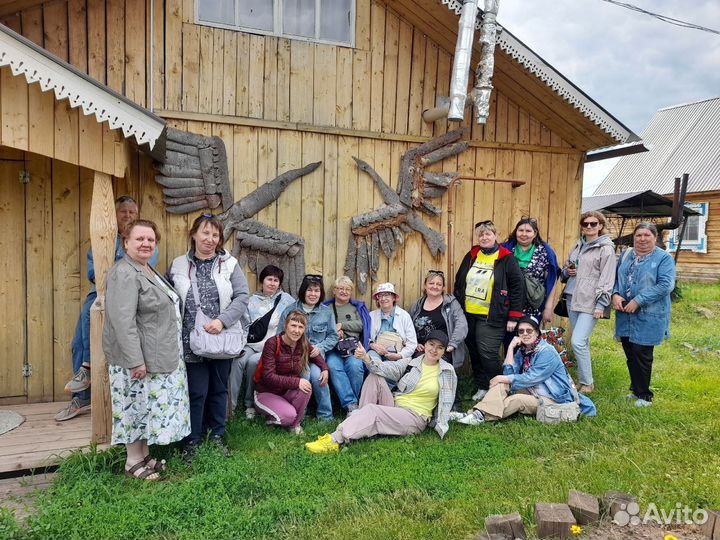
243, 369
378, 415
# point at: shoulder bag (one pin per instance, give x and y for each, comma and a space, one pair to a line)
259, 327
227, 344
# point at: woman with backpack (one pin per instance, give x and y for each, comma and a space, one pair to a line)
540, 267
282, 393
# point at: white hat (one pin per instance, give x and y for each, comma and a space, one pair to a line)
385, 288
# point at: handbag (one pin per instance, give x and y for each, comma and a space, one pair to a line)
392, 341
346, 347
534, 291
561, 308
555, 413
227, 344
259, 327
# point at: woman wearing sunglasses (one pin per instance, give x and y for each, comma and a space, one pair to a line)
321, 331
532, 371
590, 275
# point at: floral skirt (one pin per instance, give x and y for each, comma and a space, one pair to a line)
156, 408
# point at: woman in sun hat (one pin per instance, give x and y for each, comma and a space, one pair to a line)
392, 333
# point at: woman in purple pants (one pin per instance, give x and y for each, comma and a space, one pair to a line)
281, 394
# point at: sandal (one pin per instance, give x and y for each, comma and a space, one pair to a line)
141, 471
159, 465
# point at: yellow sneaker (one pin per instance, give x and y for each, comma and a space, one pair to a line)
323, 445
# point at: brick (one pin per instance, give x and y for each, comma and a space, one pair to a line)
509, 525
585, 507
553, 520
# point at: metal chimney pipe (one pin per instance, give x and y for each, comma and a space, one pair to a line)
486, 67
461, 62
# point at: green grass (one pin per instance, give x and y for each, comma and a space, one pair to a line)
421, 487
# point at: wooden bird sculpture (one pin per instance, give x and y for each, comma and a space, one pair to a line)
385, 228
195, 176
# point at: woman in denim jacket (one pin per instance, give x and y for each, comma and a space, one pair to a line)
532, 371
645, 279
322, 333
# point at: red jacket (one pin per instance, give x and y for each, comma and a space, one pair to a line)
282, 366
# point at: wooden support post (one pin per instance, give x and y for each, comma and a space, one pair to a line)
103, 232
585, 507
509, 526
553, 520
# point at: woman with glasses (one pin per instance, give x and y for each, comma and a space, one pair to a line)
436, 310
491, 289
209, 278
261, 321
390, 323
539, 264
322, 334
590, 275
533, 371
353, 323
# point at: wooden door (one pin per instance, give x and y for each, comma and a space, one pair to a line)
13, 309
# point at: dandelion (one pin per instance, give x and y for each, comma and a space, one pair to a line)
670, 537
577, 531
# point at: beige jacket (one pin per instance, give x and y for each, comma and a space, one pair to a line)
141, 324
595, 277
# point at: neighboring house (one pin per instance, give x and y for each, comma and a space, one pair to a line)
282, 89
682, 139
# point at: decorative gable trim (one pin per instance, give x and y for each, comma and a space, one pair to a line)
24, 57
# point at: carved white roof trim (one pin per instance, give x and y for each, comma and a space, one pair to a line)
24, 57
552, 78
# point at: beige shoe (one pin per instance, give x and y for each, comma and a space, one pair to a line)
586, 388
75, 407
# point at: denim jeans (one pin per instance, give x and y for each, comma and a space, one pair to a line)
81, 341
346, 375
582, 328
320, 393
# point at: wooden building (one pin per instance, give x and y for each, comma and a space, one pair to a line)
278, 102
682, 139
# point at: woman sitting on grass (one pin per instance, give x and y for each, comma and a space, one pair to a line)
282, 394
425, 392
533, 371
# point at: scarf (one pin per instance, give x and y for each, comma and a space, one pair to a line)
528, 353
524, 257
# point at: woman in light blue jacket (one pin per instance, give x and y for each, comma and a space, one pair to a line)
645, 279
322, 333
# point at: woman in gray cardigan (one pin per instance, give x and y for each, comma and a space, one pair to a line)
141, 340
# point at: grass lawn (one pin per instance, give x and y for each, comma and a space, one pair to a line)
421, 487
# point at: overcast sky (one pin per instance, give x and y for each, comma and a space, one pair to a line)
630, 63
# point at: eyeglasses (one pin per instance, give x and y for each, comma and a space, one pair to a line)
590, 224
522, 331
384, 295
313, 277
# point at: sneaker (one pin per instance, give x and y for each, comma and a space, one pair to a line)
586, 388
631, 396
297, 430
220, 443
75, 407
455, 416
323, 445
351, 408
481, 393
474, 418
643, 403
189, 451
79, 382
250, 413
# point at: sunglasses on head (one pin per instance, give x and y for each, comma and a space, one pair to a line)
590, 224
522, 331
528, 219
482, 223
436, 273
313, 277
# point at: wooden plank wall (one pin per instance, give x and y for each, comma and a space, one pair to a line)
279, 104
704, 266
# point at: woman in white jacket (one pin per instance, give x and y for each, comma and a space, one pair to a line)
261, 320
390, 318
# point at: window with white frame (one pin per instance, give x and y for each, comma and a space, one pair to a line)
695, 237
325, 21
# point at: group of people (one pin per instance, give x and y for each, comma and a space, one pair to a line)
394, 372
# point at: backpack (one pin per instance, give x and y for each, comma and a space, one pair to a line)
534, 291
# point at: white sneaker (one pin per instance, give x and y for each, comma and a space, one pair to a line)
250, 413
297, 430
474, 418
643, 403
477, 396
631, 396
456, 415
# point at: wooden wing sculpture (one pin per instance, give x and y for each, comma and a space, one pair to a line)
195, 176
385, 228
